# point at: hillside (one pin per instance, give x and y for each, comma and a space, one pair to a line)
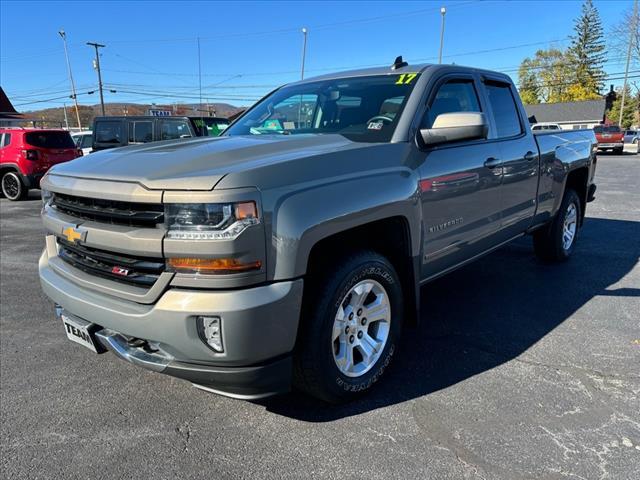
54, 117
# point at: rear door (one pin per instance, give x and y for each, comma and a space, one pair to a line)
459, 184
519, 154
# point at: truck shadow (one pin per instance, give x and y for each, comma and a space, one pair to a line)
488, 313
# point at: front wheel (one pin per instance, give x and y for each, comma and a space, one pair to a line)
350, 328
12, 186
556, 241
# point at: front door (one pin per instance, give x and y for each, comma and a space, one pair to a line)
460, 186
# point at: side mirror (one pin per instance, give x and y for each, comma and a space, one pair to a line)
453, 127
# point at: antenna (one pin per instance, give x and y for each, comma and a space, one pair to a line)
399, 63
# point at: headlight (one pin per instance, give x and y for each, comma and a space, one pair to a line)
46, 197
209, 221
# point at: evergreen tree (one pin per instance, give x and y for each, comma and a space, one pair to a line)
587, 50
630, 112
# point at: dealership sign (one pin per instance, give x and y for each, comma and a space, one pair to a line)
159, 113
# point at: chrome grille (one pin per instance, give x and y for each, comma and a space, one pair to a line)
109, 211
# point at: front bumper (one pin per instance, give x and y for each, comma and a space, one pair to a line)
259, 328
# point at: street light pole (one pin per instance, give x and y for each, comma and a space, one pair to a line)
304, 51
96, 46
443, 11
63, 35
633, 28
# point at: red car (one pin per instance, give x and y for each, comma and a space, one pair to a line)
610, 137
27, 153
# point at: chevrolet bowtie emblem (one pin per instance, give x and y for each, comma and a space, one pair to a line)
72, 235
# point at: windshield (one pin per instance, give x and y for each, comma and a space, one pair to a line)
50, 139
607, 129
363, 109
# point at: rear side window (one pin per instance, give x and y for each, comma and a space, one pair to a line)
505, 112
6, 140
108, 132
140, 132
172, 129
453, 96
50, 139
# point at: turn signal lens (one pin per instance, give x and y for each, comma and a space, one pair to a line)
211, 265
246, 210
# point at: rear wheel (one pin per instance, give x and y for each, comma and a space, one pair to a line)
350, 328
556, 241
12, 186
618, 151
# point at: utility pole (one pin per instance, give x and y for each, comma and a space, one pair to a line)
443, 11
304, 51
632, 31
97, 66
63, 35
66, 119
200, 82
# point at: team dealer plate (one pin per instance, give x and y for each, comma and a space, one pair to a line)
79, 331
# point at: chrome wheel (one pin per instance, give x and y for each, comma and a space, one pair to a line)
11, 186
361, 328
570, 226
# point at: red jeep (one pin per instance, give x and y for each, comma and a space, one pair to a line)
610, 137
27, 153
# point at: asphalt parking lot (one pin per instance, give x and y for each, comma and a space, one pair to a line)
518, 371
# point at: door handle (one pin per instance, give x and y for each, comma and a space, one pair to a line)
492, 162
530, 156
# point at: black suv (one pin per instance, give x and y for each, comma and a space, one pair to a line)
111, 132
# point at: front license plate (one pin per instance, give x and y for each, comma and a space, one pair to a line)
79, 331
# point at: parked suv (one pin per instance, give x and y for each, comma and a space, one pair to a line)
26, 154
112, 132
83, 141
610, 137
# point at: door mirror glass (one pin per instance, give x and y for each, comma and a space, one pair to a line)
454, 127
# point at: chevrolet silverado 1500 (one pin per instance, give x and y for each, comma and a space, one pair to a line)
290, 250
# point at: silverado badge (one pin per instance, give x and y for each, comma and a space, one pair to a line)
74, 235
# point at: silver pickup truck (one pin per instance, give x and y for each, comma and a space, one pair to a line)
290, 251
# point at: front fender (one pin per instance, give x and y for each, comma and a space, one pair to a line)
310, 213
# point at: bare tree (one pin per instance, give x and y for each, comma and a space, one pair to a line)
628, 28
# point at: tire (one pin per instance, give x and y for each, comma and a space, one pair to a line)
618, 151
318, 351
550, 242
12, 187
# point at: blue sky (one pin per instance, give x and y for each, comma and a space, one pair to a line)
247, 48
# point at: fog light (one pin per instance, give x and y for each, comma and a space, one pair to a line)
210, 331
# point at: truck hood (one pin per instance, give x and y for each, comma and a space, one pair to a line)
198, 164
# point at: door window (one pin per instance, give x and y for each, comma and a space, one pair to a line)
140, 132
6, 140
108, 132
172, 129
505, 112
453, 96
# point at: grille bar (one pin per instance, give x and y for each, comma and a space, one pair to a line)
141, 271
110, 211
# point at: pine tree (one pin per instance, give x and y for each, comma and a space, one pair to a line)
630, 112
587, 50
